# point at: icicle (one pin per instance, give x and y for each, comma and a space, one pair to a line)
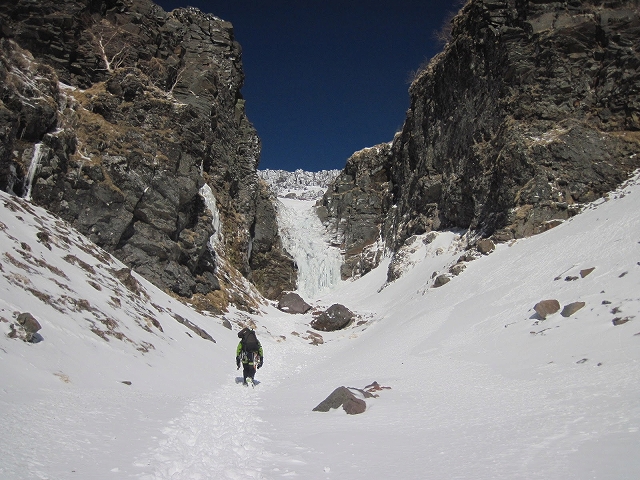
210, 202
302, 236
38, 153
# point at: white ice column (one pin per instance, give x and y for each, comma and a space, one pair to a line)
36, 158
302, 236
210, 202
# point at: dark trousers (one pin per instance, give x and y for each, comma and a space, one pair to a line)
248, 371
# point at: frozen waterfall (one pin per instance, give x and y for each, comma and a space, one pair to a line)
303, 237
38, 153
210, 202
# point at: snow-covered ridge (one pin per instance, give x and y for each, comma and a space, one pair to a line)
300, 184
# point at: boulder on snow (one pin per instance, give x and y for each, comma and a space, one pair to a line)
28, 328
441, 280
457, 269
586, 271
485, 246
291, 302
342, 397
620, 321
546, 307
335, 317
28, 322
572, 308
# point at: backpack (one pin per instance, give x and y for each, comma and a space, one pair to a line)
249, 340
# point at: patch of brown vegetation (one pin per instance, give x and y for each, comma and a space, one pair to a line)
73, 260
193, 327
63, 376
145, 347
316, 338
95, 252
44, 297
128, 280
42, 264
44, 238
17, 263
216, 302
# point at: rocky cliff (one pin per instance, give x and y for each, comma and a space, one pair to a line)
531, 110
355, 207
129, 123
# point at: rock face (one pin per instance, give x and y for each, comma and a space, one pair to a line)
128, 122
355, 206
532, 109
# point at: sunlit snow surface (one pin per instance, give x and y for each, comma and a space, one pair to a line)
480, 388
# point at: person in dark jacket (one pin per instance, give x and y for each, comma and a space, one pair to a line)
249, 353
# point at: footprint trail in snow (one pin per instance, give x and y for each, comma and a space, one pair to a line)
217, 436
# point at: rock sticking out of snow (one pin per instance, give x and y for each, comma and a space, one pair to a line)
546, 307
291, 302
335, 317
345, 398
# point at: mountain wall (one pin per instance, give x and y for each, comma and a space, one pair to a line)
531, 110
355, 207
114, 115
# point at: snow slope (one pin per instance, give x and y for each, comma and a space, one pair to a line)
480, 387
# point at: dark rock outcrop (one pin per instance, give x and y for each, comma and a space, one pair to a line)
291, 302
586, 271
342, 397
271, 269
531, 110
126, 112
621, 320
441, 280
545, 308
572, 308
354, 208
333, 318
485, 246
27, 330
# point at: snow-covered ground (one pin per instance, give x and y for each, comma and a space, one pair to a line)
479, 386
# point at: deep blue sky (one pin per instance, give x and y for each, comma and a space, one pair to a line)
326, 78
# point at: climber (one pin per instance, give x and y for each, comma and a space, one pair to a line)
249, 353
